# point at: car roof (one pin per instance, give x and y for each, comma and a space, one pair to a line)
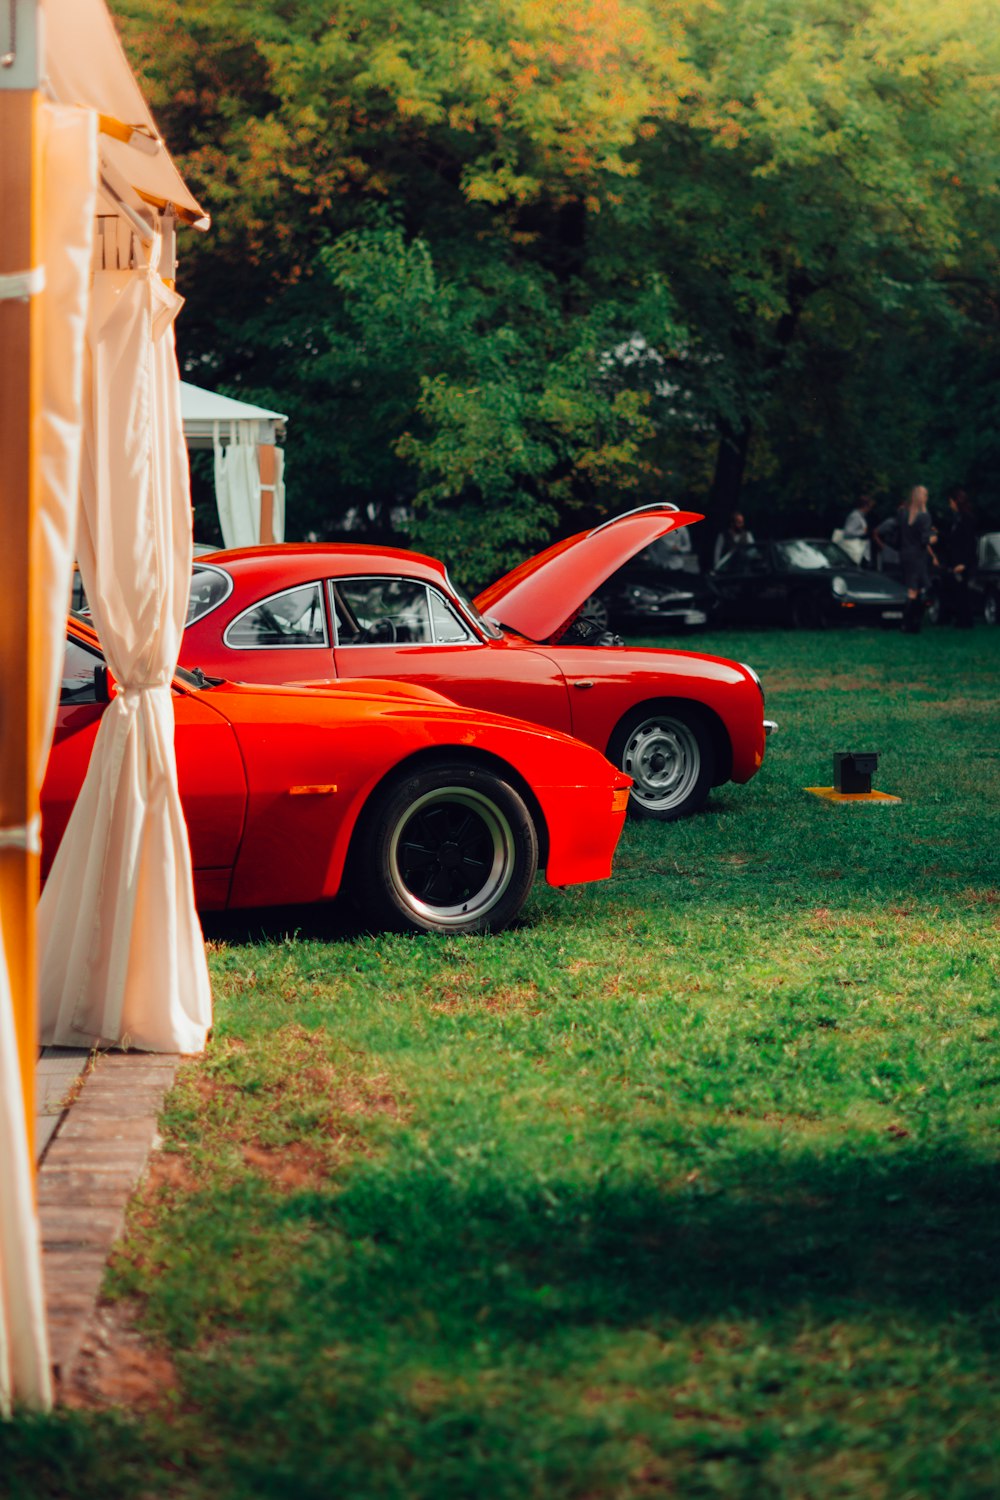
294, 562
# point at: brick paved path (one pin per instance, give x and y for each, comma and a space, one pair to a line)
92, 1156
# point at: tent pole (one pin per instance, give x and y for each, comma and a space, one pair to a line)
266, 464
20, 409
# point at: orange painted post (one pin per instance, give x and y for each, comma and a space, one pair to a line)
268, 470
20, 408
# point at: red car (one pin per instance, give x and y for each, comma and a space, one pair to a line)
436, 818
677, 722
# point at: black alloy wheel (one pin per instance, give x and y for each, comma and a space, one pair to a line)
451, 848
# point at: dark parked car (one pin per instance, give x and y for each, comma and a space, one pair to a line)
987, 579
659, 588
802, 581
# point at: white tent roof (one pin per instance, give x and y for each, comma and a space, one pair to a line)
85, 65
201, 410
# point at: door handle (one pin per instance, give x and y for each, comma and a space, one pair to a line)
583, 684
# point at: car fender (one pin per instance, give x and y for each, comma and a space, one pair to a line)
607, 686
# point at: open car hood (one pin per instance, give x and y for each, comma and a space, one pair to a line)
541, 597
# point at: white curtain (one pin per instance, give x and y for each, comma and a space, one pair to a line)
68, 200
123, 960
237, 484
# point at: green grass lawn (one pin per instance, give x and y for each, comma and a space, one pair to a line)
688, 1187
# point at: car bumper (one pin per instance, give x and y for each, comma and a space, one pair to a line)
669, 615
870, 612
584, 825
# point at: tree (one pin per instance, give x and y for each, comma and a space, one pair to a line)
508, 264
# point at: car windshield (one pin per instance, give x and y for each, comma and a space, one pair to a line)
811, 557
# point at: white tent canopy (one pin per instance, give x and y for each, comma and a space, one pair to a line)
249, 466
201, 410
85, 65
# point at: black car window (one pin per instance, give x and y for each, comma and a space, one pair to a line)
293, 618
209, 587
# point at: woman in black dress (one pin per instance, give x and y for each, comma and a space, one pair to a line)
911, 532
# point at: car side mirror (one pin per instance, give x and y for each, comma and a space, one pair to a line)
102, 689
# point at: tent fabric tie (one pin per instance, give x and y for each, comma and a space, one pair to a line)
18, 286
26, 836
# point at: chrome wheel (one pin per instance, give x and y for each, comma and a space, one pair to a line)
451, 856
663, 757
990, 609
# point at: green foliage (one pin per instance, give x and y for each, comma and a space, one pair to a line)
789, 211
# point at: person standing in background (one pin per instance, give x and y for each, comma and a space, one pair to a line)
735, 535
856, 531
960, 557
911, 532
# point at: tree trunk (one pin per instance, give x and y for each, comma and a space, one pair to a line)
727, 482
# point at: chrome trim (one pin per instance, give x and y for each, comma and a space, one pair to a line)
323, 645
640, 510
751, 673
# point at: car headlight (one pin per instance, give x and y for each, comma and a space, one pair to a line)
839, 586
751, 673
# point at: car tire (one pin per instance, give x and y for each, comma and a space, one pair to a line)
990, 610
595, 608
668, 751
449, 848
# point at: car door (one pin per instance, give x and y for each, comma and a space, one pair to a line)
209, 768
284, 637
409, 631
745, 582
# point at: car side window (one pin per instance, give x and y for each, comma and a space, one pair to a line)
209, 587
387, 611
79, 665
449, 629
293, 618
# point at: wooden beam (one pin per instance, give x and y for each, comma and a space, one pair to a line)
268, 470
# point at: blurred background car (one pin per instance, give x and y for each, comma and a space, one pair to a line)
987, 579
804, 582
661, 588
